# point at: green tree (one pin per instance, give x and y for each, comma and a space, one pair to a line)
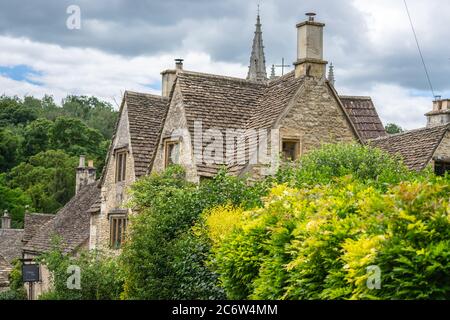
13, 112
48, 178
9, 149
37, 137
15, 201
96, 114
392, 128
75, 137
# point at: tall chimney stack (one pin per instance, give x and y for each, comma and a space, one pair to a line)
440, 114
6, 220
310, 49
168, 77
85, 175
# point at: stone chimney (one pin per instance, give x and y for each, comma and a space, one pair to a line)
168, 77
310, 49
440, 114
85, 174
6, 220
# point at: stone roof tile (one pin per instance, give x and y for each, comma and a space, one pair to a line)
416, 147
71, 223
364, 116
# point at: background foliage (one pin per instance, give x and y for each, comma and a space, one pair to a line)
39, 144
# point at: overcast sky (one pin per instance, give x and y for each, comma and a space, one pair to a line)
124, 45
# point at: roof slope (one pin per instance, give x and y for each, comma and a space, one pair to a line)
146, 114
218, 102
71, 223
232, 103
364, 116
11, 244
274, 100
33, 222
416, 147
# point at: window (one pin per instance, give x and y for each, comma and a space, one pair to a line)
118, 226
172, 152
440, 168
121, 164
291, 149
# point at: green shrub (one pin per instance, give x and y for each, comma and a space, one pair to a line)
162, 259
101, 278
366, 164
317, 243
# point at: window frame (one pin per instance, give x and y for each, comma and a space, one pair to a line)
297, 150
167, 143
117, 229
121, 164
445, 167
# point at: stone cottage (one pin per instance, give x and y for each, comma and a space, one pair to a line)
205, 121
69, 228
424, 146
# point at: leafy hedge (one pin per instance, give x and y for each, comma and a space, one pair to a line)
100, 276
317, 243
162, 258
364, 163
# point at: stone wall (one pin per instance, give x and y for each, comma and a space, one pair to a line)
175, 127
114, 194
315, 117
443, 150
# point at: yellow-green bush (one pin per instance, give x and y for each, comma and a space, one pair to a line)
317, 243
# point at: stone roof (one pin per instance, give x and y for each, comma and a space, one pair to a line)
416, 147
33, 222
225, 102
233, 99
71, 223
146, 114
11, 244
222, 102
364, 116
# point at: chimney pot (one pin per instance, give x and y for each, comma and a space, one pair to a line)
85, 175
6, 220
310, 16
82, 163
179, 64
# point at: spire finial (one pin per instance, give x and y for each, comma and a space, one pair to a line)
258, 10
272, 73
331, 79
257, 68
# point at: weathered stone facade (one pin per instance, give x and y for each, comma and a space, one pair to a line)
443, 150
114, 195
176, 129
315, 117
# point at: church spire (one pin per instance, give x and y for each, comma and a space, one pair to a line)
257, 68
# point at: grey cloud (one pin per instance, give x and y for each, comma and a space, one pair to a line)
224, 29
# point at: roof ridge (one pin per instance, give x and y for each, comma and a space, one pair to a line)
146, 94
412, 131
355, 97
40, 214
218, 76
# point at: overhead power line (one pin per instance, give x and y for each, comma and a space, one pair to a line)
420, 51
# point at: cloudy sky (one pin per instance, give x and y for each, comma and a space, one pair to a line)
124, 45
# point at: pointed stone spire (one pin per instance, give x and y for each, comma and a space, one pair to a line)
257, 68
331, 75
